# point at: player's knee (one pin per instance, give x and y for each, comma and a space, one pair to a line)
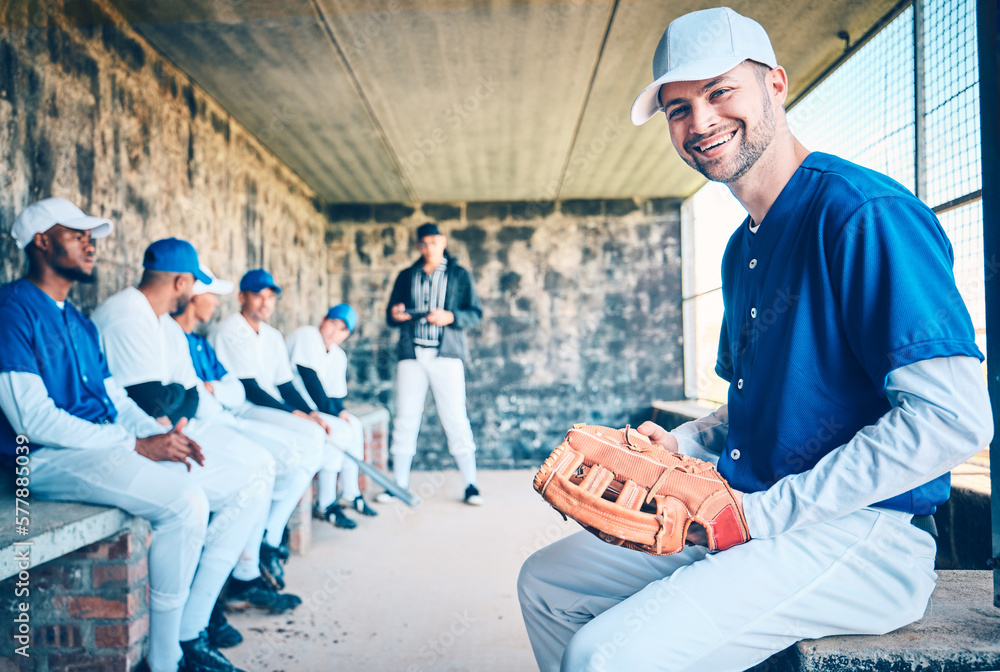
588, 652
528, 579
191, 509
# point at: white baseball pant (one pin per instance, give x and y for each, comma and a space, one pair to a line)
297, 453
347, 436
189, 558
592, 607
445, 376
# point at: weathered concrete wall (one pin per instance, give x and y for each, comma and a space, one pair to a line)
582, 313
581, 298
93, 114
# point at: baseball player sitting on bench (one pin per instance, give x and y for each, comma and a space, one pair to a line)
147, 349
297, 456
320, 368
255, 352
91, 443
848, 406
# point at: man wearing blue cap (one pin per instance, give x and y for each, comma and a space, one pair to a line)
148, 352
297, 457
84, 439
846, 411
255, 352
433, 303
320, 367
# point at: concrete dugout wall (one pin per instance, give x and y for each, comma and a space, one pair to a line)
582, 299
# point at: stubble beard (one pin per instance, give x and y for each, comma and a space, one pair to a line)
752, 147
69, 272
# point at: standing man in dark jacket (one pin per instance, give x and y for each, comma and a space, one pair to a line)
433, 302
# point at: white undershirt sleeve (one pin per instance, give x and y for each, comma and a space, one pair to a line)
704, 438
25, 401
229, 391
940, 417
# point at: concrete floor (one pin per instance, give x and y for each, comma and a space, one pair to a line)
431, 588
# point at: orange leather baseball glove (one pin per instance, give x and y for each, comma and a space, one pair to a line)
633, 493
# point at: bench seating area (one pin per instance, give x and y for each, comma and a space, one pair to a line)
82, 574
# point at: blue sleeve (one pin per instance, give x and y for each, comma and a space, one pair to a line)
17, 335
891, 274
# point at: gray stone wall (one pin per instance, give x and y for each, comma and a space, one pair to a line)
91, 113
582, 313
582, 299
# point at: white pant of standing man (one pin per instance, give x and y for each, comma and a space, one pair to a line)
445, 376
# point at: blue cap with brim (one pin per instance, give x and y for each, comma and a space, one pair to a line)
344, 312
173, 255
257, 281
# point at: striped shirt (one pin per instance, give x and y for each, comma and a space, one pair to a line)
428, 293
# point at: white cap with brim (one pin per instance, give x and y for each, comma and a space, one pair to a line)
702, 45
41, 216
216, 286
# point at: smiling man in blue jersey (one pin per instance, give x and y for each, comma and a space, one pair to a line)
855, 387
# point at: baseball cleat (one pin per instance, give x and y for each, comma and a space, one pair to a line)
284, 551
361, 506
199, 656
221, 635
472, 496
385, 497
335, 514
270, 566
258, 593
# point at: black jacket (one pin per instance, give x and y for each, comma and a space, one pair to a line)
460, 298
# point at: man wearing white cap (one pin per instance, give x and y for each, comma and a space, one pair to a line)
297, 457
87, 441
847, 409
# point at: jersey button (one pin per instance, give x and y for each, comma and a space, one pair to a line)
85, 379
739, 384
735, 454
753, 312
753, 263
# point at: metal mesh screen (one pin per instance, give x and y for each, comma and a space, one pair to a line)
864, 111
951, 98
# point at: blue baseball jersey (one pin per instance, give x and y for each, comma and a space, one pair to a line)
848, 277
206, 363
58, 344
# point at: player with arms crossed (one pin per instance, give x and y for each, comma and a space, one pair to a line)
91, 443
845, 415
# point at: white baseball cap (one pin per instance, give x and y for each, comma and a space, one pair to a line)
41, 216
216, 286
701, 45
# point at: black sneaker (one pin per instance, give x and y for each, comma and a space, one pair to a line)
472, 496
221, 635
361, 506
258, 593
335, 514
284, 550
270, 566
199, 656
